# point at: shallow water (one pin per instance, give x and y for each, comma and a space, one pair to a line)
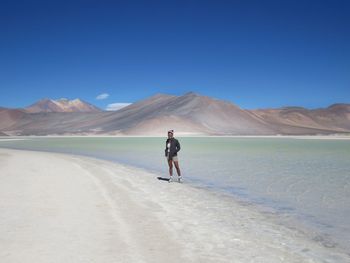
307, 180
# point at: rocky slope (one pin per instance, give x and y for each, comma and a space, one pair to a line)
189, 114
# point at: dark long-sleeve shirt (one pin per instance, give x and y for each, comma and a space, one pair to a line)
174, 147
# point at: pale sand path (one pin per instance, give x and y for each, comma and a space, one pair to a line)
52, 210
61, 208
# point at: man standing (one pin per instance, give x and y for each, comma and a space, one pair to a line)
172, 146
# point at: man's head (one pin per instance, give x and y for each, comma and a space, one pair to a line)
170, 133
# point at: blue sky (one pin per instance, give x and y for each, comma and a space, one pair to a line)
256, 54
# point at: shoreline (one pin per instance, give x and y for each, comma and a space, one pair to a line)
306, 137
156, 218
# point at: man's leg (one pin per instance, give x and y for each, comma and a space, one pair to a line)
177, 168
170, 163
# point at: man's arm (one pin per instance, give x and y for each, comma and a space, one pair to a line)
177, 146
166, 145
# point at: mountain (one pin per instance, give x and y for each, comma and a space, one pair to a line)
10, 117
192, 113
61, 105
189, 114
335, 118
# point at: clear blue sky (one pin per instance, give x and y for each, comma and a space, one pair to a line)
255, 54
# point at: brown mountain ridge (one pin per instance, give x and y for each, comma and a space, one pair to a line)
188, 114
61, 105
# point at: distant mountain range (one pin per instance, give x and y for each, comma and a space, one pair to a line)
189, 114
61, 105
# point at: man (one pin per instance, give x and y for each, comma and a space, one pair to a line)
172, 146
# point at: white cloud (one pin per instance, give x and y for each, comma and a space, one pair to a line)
116, 106
102, 96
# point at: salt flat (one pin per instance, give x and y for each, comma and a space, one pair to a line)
62, 208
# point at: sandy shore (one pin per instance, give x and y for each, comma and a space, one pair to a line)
316, 137
61, 208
